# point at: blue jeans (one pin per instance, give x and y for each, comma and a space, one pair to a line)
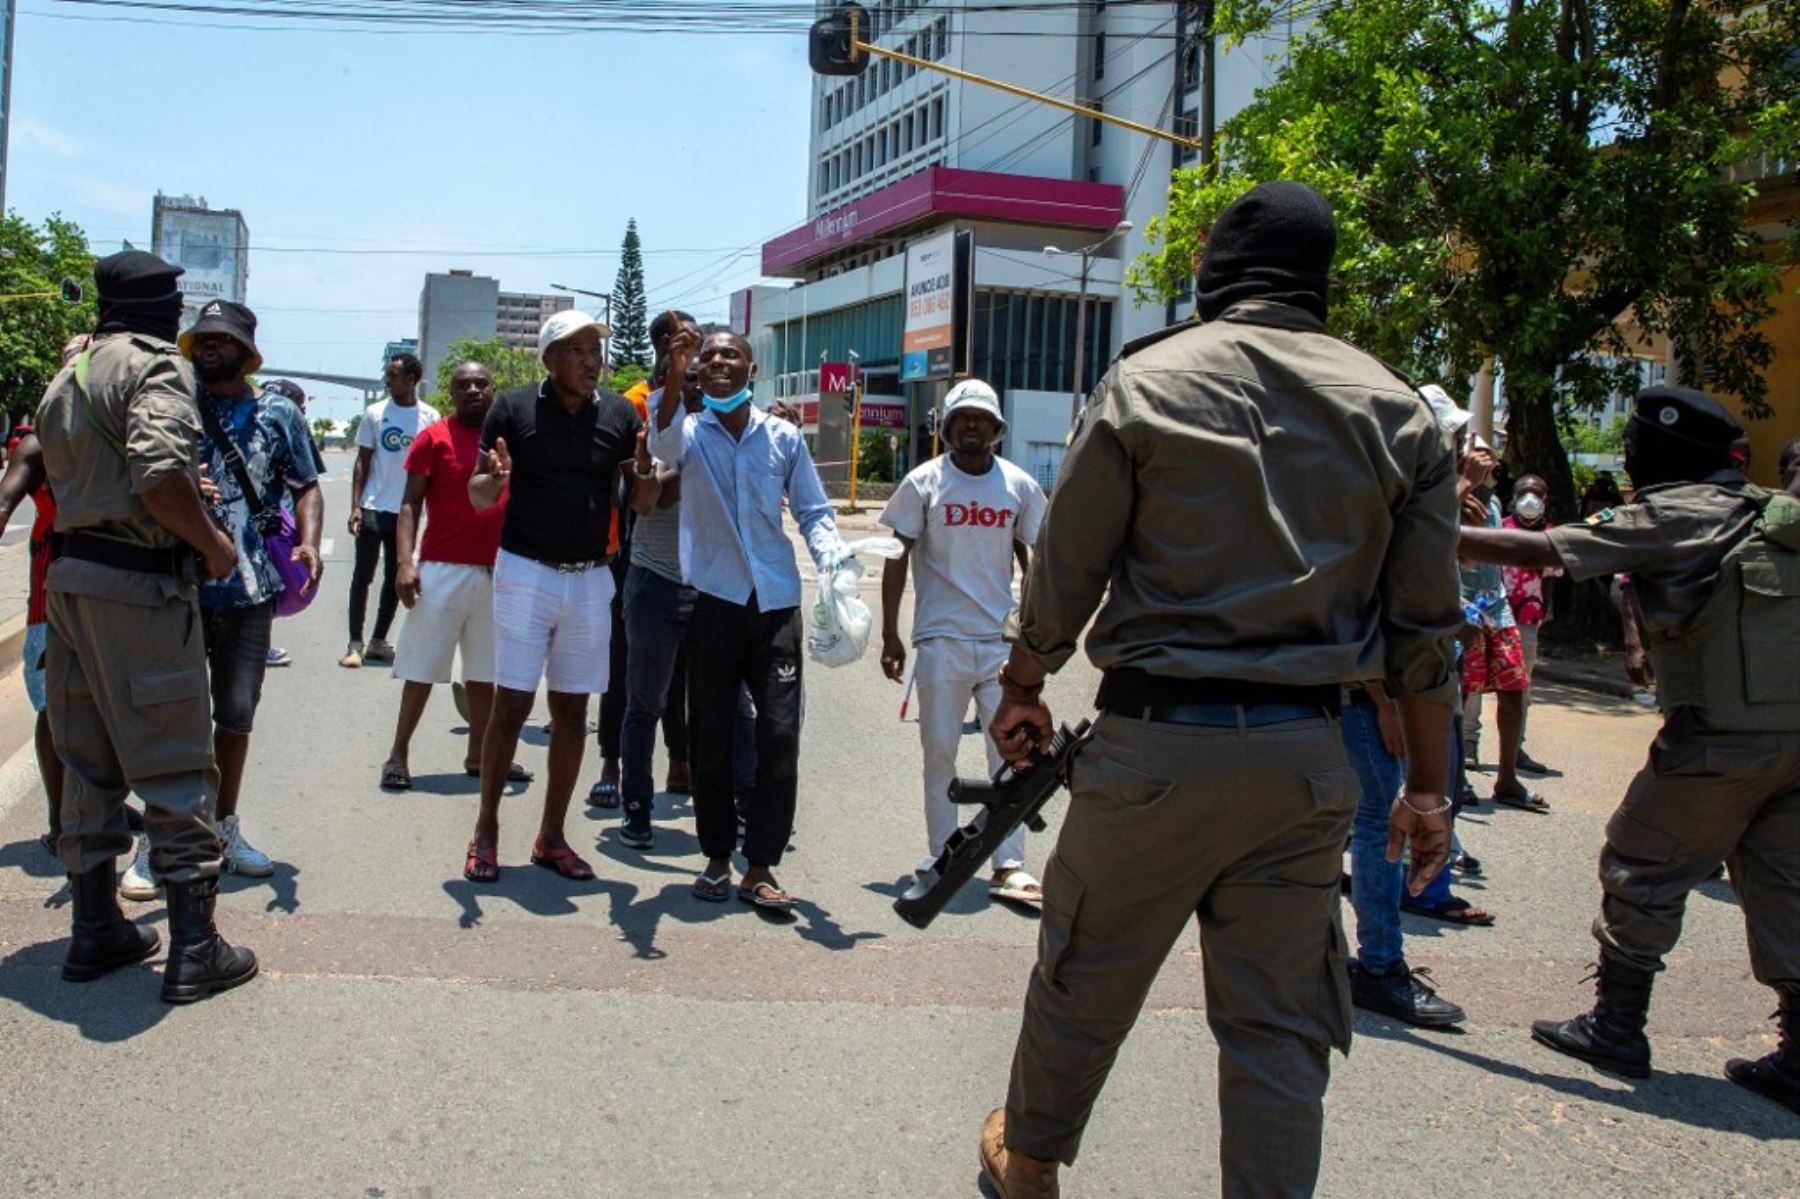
1375, 882
656, 620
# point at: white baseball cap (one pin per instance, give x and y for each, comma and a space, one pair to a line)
972, 395
567, 323
1451, 416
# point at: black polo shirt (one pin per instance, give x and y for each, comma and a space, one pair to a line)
565, 470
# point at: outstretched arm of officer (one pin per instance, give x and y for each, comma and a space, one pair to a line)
1508, 547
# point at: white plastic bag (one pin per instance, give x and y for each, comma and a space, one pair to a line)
838, 626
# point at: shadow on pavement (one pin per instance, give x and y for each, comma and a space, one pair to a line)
451, 783
1697, 1100
286, 893
969, 901
30, 856
115, 1008
538, 891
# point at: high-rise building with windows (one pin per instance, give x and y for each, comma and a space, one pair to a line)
902, 153
459, 305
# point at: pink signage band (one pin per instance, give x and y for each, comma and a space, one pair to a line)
946, 192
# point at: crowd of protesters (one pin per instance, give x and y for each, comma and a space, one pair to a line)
633, 547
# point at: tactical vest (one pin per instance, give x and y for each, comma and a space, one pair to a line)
1738, 660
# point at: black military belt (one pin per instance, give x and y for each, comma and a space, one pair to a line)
1224, 716
1125, 689
120, 555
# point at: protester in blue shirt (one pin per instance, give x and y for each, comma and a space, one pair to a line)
275, 448
737, 464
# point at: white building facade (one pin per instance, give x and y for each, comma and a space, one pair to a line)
901, 153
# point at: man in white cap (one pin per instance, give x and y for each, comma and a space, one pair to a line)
964, 517
557, 451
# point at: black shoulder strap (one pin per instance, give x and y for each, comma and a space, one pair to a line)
234, 458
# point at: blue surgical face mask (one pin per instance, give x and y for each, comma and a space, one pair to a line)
729, 403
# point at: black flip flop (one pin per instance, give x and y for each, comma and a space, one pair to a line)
1523, 800
605, 794
1457, 911
395, 778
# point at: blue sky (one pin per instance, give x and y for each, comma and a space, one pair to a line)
516, 157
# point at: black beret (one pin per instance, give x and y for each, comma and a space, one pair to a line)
1687, 415
135, 276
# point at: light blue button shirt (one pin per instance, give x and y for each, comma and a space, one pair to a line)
732, 540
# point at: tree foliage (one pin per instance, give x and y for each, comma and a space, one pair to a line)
1513, 179
32, 331
628, 376
510, 367
630, 321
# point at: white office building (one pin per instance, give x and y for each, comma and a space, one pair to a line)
901, 154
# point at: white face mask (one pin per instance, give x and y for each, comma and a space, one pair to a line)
1528, 507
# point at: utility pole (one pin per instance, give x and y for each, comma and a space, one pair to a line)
604, 297
1209, 92
1088, 254
856, 391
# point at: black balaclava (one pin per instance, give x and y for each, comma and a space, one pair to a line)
1274, 243
1678, 435
138, 294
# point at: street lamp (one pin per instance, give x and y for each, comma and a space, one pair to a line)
1088, 254
606, 319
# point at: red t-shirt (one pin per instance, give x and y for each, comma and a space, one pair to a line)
447, 453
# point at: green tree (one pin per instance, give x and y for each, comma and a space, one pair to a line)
628, 376
32, 331
322, 429
1511, 179
510, 367
630, 322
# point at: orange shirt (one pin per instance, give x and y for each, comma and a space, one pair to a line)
639, 395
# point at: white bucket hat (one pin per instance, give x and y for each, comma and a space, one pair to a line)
972, 395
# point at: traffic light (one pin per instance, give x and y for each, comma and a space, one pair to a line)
71, 292
832, 45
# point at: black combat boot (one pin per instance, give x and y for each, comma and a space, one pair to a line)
1776, 1076
1612, 1035
200, 962
101, 939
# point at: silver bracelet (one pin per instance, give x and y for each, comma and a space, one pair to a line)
1437, 811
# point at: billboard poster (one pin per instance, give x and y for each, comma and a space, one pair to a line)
208, 246
928, 337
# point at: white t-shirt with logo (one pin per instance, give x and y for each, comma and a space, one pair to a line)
389, 429
964, 527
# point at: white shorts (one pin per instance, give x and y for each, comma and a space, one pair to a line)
551, 625
455, 610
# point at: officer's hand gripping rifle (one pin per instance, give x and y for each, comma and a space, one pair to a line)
1014, 797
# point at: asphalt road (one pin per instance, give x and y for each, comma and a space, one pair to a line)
414, 1034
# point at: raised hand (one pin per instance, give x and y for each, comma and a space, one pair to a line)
500, 460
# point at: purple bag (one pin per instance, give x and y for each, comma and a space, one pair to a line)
294, 597
280, 543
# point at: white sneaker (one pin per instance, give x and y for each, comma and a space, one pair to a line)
353, 656
137, 883
241, 857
